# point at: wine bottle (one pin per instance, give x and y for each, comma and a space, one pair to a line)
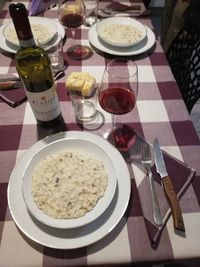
34, 68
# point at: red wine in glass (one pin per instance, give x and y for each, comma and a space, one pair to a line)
72, 20
118, 94
71, 16
117, 100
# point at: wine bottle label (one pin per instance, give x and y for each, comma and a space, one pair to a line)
45, 105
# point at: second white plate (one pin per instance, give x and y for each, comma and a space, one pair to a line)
120, 32
8, 47
44, 29
139, 48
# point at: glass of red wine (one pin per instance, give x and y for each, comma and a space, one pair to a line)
118, 92
71, 16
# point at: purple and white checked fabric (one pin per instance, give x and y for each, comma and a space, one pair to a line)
160, 112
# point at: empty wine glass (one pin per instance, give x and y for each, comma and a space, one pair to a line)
71, 15
118, 91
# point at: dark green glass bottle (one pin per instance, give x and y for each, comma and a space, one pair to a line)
34, 68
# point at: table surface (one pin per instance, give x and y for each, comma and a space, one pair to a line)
160, 112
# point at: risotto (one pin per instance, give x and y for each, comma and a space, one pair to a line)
68, 184
39, 32
120, 33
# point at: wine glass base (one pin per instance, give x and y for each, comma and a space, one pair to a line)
122, 136
79, 52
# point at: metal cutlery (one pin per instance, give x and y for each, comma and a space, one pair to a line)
13, 82
168, 188
109, 11
117, 6
106, 12
10, 85
147, 161
8, 78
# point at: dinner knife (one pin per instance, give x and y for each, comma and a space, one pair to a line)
117, 6
10, 85
4, 78
168, 187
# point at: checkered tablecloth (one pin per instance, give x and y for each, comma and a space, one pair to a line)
160, 112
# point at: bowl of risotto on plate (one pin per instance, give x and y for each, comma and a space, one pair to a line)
120, 31
69, 183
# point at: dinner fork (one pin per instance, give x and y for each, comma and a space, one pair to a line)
146, 161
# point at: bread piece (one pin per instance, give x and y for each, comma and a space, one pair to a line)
71, 9
81, 82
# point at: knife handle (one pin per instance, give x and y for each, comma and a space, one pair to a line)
174, 204
123, 7
10, 85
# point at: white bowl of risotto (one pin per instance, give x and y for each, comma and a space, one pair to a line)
69, 183
42, 28
120, 31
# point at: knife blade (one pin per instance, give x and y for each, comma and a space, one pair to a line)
168, 187
4, 78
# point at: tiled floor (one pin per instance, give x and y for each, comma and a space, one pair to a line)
195, 113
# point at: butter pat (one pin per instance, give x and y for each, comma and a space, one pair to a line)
81, 82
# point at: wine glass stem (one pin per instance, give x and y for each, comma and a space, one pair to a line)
113, 116
73, 31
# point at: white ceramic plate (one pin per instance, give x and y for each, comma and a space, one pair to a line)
8, 47
44, 29
115, 36
77, 237
58, 146
139, 48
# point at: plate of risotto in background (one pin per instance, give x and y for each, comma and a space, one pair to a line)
120, 31
69, 183
42, 28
